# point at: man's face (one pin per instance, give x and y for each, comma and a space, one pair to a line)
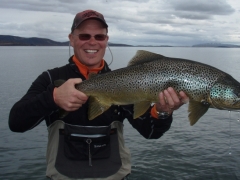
89, 52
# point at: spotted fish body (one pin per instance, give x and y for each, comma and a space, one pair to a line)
148, 73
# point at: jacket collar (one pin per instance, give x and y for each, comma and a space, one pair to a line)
75, 68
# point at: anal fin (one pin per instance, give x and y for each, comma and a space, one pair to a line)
140, 108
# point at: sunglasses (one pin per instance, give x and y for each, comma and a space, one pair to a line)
86, 37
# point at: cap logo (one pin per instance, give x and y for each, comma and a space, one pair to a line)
89, 14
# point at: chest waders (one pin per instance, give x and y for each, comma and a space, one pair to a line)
87, 152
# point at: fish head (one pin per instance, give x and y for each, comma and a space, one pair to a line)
225, 94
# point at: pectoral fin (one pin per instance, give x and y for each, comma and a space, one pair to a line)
140, 108
95, 108
196, 111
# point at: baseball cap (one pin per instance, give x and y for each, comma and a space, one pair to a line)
87, 14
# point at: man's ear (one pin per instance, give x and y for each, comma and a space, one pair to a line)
70, 37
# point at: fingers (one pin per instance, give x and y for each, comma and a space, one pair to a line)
162, 106
68, 97
172, 98
184, 97
169, 100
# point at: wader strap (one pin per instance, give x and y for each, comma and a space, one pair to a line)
53, 153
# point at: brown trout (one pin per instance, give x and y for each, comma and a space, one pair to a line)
148, 73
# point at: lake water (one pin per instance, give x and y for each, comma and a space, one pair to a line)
208, 150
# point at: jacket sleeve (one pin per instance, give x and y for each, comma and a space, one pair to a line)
32, 108
149, 127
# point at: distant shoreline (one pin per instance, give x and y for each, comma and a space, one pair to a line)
9, 40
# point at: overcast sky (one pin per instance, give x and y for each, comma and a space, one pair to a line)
135, 22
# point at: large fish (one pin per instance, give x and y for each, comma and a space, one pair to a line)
148, 73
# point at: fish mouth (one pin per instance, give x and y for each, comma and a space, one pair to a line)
229, 107
237, 101
91, 51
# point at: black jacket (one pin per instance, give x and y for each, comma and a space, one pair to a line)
38, 104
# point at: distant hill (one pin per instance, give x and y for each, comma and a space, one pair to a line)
114, 44
216, 45
8, 40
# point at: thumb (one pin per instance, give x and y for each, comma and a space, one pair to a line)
76, 80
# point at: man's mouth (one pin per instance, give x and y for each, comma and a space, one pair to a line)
91, 51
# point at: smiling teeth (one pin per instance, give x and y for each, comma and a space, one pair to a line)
91, 51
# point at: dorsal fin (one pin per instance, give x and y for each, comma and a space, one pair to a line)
143, 56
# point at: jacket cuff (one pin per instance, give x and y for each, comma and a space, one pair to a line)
154, 112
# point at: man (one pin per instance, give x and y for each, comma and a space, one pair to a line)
79, 148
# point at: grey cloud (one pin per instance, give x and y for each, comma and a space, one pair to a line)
200, 9
69, 6
169, 33
194, 16
134, 1
38, 5
160, 39
150, 22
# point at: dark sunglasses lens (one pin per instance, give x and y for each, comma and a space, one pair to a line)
100, 37
84, 37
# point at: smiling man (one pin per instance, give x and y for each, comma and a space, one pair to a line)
89, 40
78, 148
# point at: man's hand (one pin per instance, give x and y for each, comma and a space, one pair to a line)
169, 100
68, 97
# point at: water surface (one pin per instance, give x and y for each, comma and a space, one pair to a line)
208, 150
